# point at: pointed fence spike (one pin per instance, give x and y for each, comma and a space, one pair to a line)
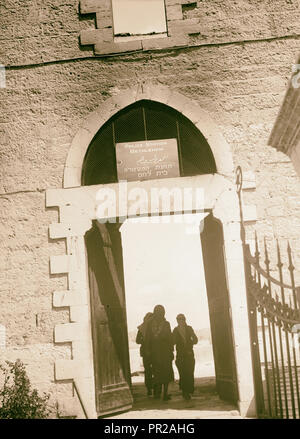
278, 248
289, 251
280, 272
291, 268
257, 253
279, 264
267, 260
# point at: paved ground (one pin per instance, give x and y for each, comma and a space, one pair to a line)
205, 404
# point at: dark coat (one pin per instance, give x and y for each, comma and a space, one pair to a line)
140, 339
159, 346
184, 346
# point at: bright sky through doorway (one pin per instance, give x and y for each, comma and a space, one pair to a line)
163, 265
139, 16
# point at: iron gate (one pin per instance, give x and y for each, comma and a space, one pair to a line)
274, 319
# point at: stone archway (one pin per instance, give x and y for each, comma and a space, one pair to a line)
77, 208
88, 129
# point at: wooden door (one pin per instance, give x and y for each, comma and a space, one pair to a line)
219, 309
109, 325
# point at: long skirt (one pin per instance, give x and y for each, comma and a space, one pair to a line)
186, 366
162, 370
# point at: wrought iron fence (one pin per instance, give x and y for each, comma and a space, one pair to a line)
274, 317
274, 313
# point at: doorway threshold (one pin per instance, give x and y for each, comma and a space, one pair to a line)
205, 404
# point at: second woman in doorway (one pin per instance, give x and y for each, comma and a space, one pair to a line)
184, 338
140, 339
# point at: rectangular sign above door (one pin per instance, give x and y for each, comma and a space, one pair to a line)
147, 160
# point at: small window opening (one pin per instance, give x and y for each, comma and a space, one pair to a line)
187, 8
139, 19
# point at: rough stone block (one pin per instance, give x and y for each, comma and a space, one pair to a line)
172, 2
249, 181
164, 43
71, 369
159, 93
104, 19
67, 332
72, 175
69, 298
68, 213
174, 12
60, 264
90, 36
103, 48
233, 230
82, 349
69, 407
52, 198
295, 156
85, 387
2, 337
107, 35
61, 230
79, 313
82, 137
234, 252
66, 369
90, 6
186, 27
58, 230
93, 36
249, 213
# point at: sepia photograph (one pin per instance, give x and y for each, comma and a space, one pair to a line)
149, 212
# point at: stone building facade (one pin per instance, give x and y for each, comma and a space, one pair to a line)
65, 76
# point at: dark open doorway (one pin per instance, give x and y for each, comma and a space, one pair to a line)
163, 265
146, 120
109, 322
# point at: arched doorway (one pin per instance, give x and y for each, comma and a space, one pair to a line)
109, 327
146, 120
78, 209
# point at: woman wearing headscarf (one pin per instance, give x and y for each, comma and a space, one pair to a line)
140, 339
159, 345
184, 338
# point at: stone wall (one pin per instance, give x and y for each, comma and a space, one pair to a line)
53, 83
